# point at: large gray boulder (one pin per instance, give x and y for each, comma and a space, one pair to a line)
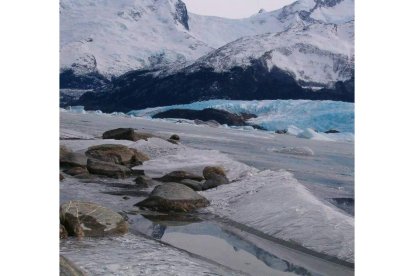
86, 219
178, 176
173, 197
73, 159
108, 169
126, 134
118, 154
67, 268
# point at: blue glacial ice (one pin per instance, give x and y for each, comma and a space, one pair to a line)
278, 114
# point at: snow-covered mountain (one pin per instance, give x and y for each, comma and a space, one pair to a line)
113, 37
316, 55
302, 51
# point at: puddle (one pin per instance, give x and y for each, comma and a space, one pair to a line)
217, 242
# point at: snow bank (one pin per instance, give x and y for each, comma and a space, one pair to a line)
167, 157
277, 204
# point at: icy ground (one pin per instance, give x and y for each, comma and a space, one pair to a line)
280, 182
135, 255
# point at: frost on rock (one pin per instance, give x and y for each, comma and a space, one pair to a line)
278, 205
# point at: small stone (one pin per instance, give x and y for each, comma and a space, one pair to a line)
332, 131
138, 172
76, 171
143, 181
175, 137
175, 142
63, 234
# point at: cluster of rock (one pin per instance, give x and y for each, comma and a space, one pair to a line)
109, 160
174, 192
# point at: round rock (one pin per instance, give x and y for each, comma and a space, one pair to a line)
209, 172
76, 171
86, 219
126, 134
118, 154
173, 197
108, 169
177, 176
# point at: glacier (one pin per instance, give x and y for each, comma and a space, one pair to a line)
279, 114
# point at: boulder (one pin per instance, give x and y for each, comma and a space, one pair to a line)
173, 197
209, 172
144, 181
86, 219
215, 176
138, 172
108, 169
117, 154
63, 234
73, 159
177, 176
281, 131
221, 116
175, 142
214, 181
126, 134
332, 131
195, 185
64, 151
175, 137
76, 171
67, 268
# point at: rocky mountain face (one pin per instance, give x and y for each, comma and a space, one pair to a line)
152, 53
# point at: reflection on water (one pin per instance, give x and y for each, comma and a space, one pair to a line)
211, 240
